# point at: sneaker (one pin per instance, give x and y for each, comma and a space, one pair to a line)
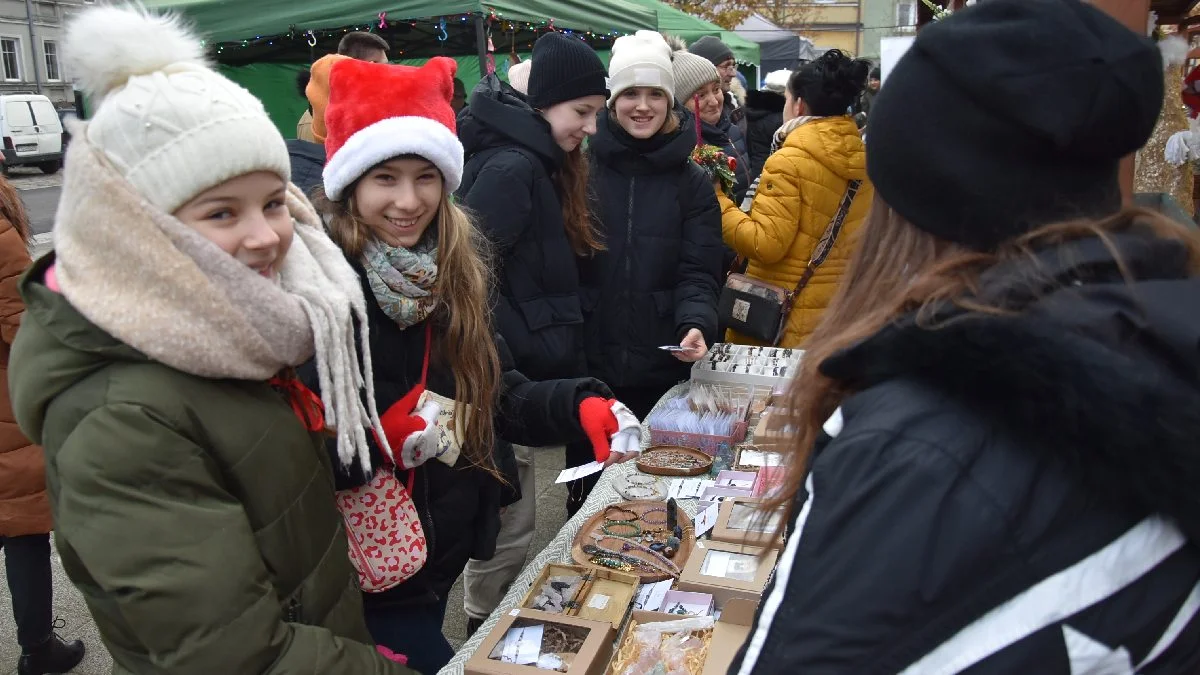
51, 657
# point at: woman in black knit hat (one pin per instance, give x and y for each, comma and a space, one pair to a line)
526, 181
996, 462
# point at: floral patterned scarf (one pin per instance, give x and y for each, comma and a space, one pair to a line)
402, 279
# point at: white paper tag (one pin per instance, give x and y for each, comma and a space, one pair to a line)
650, 596
715, 564
706, 519
688, 488
522, 646
760, 458
598, 601
577, 472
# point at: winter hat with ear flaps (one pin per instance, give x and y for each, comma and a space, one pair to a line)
1009, 115
415, 118
641, 60
167, 122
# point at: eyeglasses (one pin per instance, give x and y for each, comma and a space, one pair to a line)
727, 67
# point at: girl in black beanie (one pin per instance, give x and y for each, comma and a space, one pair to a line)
995, 463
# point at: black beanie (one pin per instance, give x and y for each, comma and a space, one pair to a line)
564, 68
1010, 115
712, 49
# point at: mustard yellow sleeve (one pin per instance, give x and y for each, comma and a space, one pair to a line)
766, 233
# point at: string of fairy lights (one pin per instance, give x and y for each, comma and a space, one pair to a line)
439, 26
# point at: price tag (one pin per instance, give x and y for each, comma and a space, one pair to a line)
706, 519
598, 601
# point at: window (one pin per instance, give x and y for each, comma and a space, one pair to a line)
10, 50
52, 72
18, 114
906, 13
44, 114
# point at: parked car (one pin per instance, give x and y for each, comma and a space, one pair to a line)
32, 132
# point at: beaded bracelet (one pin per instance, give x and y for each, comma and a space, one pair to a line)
668, 565
647, 512
637, 529
639, 492
600, 552
621, 511
638, 479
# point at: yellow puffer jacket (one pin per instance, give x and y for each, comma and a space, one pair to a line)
801, 187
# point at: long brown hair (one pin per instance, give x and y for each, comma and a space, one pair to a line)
572, 182
898, 269
13, 209
466, 343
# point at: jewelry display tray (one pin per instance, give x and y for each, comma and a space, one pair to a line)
593, 525
705, 461
607, 599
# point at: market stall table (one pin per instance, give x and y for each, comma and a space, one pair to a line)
559, 549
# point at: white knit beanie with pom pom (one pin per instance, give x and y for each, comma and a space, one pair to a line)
169, 124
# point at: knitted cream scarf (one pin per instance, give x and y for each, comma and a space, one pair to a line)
158, 286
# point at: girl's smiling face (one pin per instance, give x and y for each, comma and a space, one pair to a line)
573, 121
642, 111
247, 217
398, 199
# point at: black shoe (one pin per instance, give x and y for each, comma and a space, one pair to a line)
53, 656
472, 626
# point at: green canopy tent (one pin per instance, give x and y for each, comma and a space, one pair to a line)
265, 48
676, 22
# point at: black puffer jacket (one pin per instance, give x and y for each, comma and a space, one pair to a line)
658, 278
989, 454
728, 136
764, 116
459, 506
308, 163
508, 185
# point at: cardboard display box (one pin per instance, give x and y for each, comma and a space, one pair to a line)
741, 521
682, 604
728, 571
592, 659
643, 617
607, 598
729, 635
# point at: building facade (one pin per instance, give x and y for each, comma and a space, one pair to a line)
31, 33
830, 24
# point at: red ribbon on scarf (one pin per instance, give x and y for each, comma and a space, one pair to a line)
699, 130
307, 405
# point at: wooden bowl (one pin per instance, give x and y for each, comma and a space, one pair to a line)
593, 525
703, 461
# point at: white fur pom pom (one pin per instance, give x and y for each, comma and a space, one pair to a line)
1174, 50
105, 46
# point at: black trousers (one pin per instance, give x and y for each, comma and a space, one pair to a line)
641, 401
27, 564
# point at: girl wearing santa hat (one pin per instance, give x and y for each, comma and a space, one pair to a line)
450, 398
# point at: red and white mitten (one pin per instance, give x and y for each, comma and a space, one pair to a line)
610, 426
411, 434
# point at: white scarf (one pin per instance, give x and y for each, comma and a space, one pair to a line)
160, 287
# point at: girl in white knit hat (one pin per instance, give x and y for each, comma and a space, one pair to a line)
450, 397
191, 493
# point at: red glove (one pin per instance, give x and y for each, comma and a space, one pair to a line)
399, 423
391, 655
599, 423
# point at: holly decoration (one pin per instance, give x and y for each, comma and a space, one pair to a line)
718, 166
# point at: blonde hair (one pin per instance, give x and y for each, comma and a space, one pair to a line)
466, 343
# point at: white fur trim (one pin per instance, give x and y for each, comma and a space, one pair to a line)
1174, 50
390, 138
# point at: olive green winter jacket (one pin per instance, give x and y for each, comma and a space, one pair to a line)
196, 516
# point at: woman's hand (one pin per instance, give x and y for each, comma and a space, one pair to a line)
694, 347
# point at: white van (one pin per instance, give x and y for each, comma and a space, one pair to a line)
32, 132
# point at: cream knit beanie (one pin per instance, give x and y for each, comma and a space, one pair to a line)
166, 121
691, 73
641, 60
518, 76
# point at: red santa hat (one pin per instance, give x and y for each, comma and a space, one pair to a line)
378, 111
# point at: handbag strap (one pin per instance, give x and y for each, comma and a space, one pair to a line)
829, 238
428, 345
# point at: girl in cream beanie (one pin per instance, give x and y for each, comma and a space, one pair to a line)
193, 501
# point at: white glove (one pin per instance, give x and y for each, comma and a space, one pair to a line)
628, 439
421, 446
